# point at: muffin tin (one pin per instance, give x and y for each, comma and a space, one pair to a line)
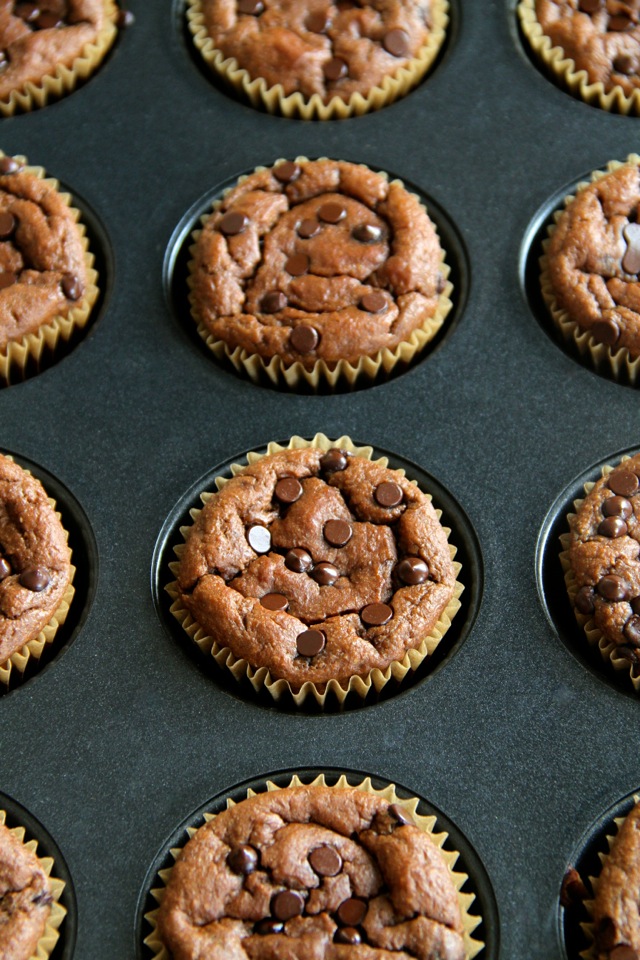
519, 745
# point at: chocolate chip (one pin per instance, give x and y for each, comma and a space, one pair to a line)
252, 8
43, 899
287, 904
376, 614
71, 287
337, 532
7, 224
352, 912
35, 579
298, 560
233, 223
125, 19
27, 11
335, 69
334, 461
606, 331
627, 653
288, 490
617, 507
625, 64
308, 228
366, 233
348, 935
396, 42
374, 302
274, 601
325, 574
310, 643
287, 172
265, 928
619, 23
332, 212
399, 813
389, 494
612, 527
297, 265
243, 860
624, 483
631, 631
573, 889
631, 259
584, 601
325, 860
304, 339
7, 279
259, 538
635, 605
612, 587
317, 22
273, 302
590, 6
48, 21
5, 568
9, 165
412, 570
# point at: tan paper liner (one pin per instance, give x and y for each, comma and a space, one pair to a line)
64, 79
33, 347
19, 659
280, 373
470, 922
615, 360
261, 677
51, 935
273, 99
564, 68
595, 637
587, 926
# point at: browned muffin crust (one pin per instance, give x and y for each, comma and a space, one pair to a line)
602, 37
312, 872
37, 37
25, 898
615, 910
34, 558
43, 270
319, 47
259, 572
605, 557
316, 260
594, 259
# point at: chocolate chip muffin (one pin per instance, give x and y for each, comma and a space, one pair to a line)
616, 923
317, 58
25, 898
312, 871
314, 267
317, 565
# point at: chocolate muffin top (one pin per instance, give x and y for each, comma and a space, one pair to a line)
312, 872
319, 47
43, 272
602, 37
604, 554
593, 259
316, 260
34, 558
37, 37
317, 565
615, 910
25, 898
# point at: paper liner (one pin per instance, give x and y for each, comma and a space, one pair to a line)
51, 935
563, 68
260, 677
18, 355
34, 649
274, 100
65, 78
428, 824
617, 361
595, 637
279, 373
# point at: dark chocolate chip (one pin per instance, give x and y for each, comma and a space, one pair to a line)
573, 889
631, 631
288, 490
243, 859
619, 23
27, 11
617, 507
440, 284
635, 605
399, 813
71, 287
334, 461
9, 165
43, 899
606, 331
352, 912
7, 224
48, 21
297, 264
287, 172
376, 614
624, 483
35, 579
252, 8
374, 302
625, 64
396, 42
348, 935
287, 904
317, 22
584, 600
590, 6
612, 527
614, 588
308, 228
7, 279
5, 568
125, 19
259, 538
337, 532
233, 223
366, 233
298, 560
332, 212
335, 69
631, 259
412, 570
325, 574
265, 928
304, 339
325, 860
628, 653
389, 494
310, 643
276, 602
273, 302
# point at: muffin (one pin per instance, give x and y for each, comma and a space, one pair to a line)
316, 568
47, 281
35, 568
592, 47
317, 58
616, 926
312, 870
316, 270
590, 270
48, 47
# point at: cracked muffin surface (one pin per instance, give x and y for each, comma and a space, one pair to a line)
615, 908
312, 873
25, 898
